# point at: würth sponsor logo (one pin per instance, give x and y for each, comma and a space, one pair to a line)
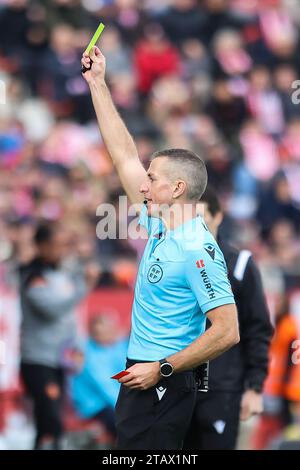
207, 284
200, 263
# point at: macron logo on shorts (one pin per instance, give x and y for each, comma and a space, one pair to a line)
219, 426
160, 392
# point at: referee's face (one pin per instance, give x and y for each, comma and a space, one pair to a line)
157, 187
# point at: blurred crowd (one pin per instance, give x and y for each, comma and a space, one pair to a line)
216, 76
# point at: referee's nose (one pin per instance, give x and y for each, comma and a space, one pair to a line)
144, 188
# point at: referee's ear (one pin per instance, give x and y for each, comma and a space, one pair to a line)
180, 189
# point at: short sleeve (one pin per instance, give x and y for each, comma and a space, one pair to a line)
206, 275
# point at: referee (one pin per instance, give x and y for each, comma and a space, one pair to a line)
182, 280
236, 377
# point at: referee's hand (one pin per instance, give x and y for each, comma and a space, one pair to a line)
142, 375
95, 65
252, 404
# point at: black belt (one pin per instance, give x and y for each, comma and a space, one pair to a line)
130, 362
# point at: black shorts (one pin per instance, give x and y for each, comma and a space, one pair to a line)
215, 422
157, 418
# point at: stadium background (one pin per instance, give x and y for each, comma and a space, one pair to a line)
213, 75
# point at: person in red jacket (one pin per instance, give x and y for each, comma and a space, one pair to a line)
154, 57
282, 386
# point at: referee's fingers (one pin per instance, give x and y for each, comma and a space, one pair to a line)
96, 55
132, 383
126, 378
86, 61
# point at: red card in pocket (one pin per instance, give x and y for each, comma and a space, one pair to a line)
120, 374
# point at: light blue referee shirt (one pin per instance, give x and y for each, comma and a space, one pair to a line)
182, 275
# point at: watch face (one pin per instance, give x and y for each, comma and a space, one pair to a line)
166, 369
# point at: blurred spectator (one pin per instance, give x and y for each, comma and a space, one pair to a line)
154, 57
284, 76
227, 110
170, 102
286, 249
61, 76
93, 391
72, 12
48, 298
279, 33
182, 20
282, 391
290, 143
277, 204
117, 56
261, 155
196, 61
231, 58
14, 23
219, 164
130, 18
264, 101
218, 17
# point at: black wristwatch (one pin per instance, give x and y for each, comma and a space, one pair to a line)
166, 369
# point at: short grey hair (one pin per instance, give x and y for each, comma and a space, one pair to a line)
192, 170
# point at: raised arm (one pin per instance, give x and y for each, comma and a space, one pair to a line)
118, 141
